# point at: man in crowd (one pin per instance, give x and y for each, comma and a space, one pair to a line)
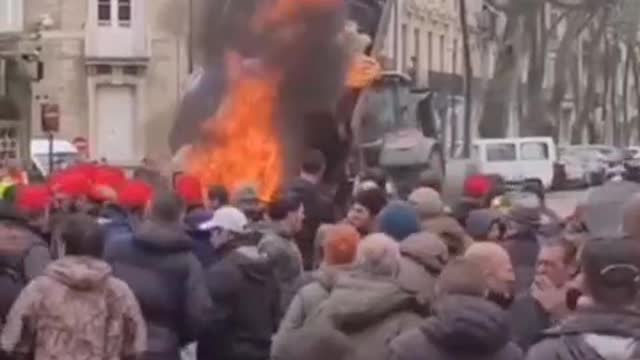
496, 266
318, 207
278, 244
339, 251
547, 301
464, 324
77, 310
522, 241
244, 291
399, 220
24, 254
485, 225
165, 276
606, 324
367, 305
431, 210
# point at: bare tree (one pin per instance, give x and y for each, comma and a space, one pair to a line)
468, 77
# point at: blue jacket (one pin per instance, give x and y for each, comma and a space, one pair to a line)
118, 225
202, 247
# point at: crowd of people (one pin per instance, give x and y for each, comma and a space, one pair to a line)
98, 265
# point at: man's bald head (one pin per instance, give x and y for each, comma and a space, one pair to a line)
631, 217
486, 253
495, 262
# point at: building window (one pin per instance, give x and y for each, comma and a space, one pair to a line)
104, 12
104, 70
130, 70
124, 13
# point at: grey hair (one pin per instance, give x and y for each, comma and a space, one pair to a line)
378, 255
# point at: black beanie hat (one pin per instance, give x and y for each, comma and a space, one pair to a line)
372, 199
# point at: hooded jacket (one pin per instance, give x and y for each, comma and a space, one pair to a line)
370, 311
461, 328
450, 231
77, 310
285, 257
306, 301
168, 281
424, 256
246, 301
592, 334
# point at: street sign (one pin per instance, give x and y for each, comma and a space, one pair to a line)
50, 117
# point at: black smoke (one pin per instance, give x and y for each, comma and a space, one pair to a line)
312, 61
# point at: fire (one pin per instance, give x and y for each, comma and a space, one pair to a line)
246, 150
363, 71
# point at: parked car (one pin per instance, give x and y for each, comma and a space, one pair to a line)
570, 170
517, 160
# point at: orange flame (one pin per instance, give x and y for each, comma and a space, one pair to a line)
246, 149
363, 71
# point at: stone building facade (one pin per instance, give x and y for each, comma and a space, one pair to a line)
116, 68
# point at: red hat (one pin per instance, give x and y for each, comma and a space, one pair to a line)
110, 177
477, 186
135, 194
72, 183
190, 190
33, 199
341, 244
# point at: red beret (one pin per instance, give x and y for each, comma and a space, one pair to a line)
33, 199
135, 194
109, 176
477, 186
190, 190
73, 184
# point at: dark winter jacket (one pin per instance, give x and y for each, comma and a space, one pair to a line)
283, 253
528, 320
523, 249
462, 327
462, 209
23, 256
424, 255
168, 281
370, 312
117, 224
245, 297
202, 247
318, 209
592, 334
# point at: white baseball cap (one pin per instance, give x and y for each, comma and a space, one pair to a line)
227, 218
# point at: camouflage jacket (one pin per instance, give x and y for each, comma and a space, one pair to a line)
75, 311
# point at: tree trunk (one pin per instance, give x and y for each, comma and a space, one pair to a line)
606, 72
625, 97
468, 78
636, 83
493, 122
585, 115
576, 24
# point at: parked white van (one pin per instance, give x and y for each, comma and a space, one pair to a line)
516, 159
